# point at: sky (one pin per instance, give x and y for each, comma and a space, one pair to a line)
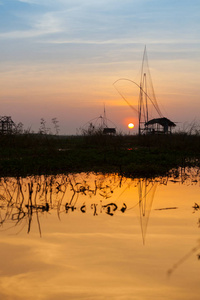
59, 59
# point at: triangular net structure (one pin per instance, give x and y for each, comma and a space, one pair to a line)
147, 104
143, 101
146, 192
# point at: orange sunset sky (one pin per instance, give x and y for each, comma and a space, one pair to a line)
59, 59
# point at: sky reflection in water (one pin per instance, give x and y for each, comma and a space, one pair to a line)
100, 237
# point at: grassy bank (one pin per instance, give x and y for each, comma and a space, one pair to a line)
29, 154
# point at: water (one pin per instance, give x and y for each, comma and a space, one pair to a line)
89, 236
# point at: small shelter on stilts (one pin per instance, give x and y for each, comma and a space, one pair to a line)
99, 125
159, 125
6, 125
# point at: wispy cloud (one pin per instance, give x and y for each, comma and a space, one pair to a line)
121, 41
80, 21
47, 23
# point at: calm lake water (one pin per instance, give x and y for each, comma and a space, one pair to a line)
88, 236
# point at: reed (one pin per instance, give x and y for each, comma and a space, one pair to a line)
27, 154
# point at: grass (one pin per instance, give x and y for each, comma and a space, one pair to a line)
35, 154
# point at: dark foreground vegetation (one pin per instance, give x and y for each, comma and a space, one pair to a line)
153, 155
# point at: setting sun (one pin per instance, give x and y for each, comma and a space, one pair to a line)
130, 125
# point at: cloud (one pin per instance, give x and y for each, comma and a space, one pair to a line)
95, 22
62, 3
29, 1
122, 41
47, 23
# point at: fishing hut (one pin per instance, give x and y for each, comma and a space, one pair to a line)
147, 102
108, 130
99, 125
159, 126
150, 117
6, 125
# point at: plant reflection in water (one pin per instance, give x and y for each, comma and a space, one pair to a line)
22, 199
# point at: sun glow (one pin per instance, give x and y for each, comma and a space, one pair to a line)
130, 125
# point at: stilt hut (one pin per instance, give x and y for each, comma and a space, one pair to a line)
108, 130
159, 125
6, 125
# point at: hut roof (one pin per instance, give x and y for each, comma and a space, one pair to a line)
109, 130
161, 121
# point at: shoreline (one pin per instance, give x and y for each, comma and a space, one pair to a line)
132, 156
